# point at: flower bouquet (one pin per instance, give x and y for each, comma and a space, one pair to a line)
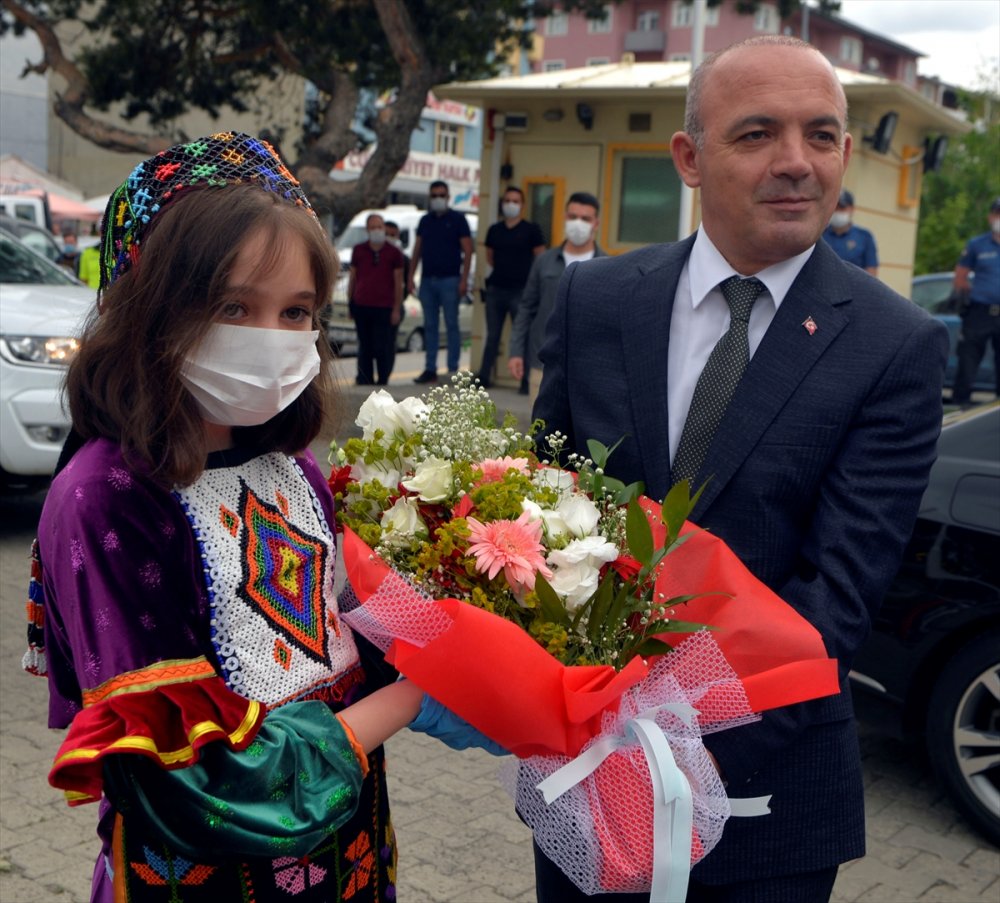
594, 633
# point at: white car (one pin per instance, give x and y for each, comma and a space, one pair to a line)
42, 309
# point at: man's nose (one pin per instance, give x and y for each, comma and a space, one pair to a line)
792, 157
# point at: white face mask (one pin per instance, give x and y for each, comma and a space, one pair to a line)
395, 242
995, 224
510, 210
376, 236
840, 219
578, 232
439, 205
244, 376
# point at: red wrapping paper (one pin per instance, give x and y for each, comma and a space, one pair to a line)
495, 676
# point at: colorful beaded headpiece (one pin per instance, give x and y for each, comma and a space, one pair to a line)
226, 158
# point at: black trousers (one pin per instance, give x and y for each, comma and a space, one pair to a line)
375, 343
552, 886
980, 326
500, 303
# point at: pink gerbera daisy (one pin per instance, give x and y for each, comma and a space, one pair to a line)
512, 545
495, 469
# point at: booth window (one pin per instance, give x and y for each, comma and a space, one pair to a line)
545, 202
646, 194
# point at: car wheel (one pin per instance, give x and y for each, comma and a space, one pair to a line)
415, 340
963, 732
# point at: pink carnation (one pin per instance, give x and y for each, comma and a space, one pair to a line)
495, 469
514, 546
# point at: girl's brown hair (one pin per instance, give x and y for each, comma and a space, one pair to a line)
124, 384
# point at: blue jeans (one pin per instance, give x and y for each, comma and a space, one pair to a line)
439, 293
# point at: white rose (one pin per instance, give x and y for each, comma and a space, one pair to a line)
591, 550
552, 477
432, 480
387, 475
579, 514
382, 412
402, 522
553, 524
575, 583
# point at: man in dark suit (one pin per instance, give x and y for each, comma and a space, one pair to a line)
816, 469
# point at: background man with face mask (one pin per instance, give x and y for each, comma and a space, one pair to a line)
539, 293
512, 244
852, 243
375, 290
980, 307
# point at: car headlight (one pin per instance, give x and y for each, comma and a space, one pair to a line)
51, 350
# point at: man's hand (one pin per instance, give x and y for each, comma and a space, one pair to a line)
394, 317
515, 366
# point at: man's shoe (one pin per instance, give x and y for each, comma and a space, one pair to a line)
428, 376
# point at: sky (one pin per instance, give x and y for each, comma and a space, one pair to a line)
961, 38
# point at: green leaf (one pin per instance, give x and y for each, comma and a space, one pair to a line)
627, 493
601, 603
598, 452
638, 533
676, 508
549, 602
650, 647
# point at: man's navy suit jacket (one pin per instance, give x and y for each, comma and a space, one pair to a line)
815, 477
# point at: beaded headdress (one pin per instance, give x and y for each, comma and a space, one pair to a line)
226, 158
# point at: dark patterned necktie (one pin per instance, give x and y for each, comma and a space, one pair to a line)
718, 380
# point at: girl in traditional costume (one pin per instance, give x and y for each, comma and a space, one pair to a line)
227, 721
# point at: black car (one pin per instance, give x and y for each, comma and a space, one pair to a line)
934, 653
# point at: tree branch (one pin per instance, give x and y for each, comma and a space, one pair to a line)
69, 105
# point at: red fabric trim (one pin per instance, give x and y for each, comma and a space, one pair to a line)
169, 724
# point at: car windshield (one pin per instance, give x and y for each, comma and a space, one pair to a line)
20, 266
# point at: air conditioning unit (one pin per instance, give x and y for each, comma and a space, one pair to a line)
515, 122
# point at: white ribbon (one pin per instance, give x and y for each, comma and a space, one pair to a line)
672, 802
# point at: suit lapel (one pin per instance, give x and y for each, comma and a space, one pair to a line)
788, 351
646, 304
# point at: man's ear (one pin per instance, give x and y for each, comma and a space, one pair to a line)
685, 156
848, 146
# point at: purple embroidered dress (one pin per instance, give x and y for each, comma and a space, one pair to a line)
194, 646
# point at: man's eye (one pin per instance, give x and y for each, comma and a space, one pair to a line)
757, 135
232, 311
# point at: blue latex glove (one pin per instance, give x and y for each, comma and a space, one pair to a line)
435, 720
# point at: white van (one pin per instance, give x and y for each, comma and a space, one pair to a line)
27, 207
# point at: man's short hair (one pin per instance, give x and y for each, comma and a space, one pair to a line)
389, 224
584, 197
437, 183
846, 199
995, 206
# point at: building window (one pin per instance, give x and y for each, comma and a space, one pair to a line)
604, 25
766, 19
648, 20
648, 190
557, 24
683, 15
910, 73
447, 139
598, 61
680, 57
850, 51
553, 65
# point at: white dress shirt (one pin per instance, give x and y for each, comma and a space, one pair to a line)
701, 317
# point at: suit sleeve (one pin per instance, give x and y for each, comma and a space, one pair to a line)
552, 404
527, 310
865, 507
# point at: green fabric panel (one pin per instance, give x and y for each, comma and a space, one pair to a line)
296, 783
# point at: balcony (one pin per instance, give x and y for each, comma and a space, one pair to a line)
645, 41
